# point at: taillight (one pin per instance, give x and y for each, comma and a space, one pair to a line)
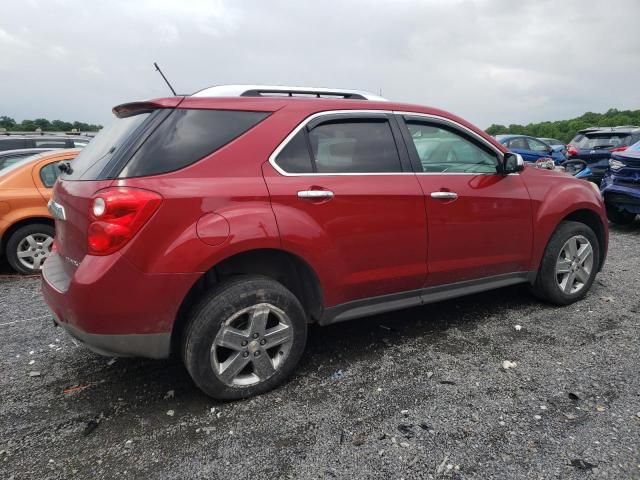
116, 215
619, 149
572, 150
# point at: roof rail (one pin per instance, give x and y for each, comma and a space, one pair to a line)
285, 91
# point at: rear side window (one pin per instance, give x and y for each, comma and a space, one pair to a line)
185, 137
49, 174
354, 147
50, 143
295, 157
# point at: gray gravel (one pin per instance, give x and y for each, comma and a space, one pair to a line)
421, 394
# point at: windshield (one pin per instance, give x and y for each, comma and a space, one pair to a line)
602, 140
96, 155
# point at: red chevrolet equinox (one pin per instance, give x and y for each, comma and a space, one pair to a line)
217, 226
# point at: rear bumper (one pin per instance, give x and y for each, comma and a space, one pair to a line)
113, 308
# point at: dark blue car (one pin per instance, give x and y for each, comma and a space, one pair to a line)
531, 149
596, 145
621, 185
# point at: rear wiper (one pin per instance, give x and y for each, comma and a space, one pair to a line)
65, 167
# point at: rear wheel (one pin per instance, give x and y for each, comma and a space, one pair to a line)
569, 264
244, 338
618, 216
29, 246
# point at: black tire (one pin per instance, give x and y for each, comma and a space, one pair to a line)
17, 237
546, 285
619, 217
222, 304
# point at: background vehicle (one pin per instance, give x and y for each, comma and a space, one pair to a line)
531, 149
219, 226
9, 157
621, 185
15, 142
26, 226
595, 146
557, 145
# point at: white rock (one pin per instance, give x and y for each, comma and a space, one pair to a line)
508, 364
543, 407
171, 413
537, 417
32, 362
517, 327
404, 412
34, 374
169, 394
111, 362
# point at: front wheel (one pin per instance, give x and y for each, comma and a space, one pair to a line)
29, 246
244, 338
569, 264
620, 217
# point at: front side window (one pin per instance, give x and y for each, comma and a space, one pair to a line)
444, 150
49, 174
354, 146
537, 146
520, 143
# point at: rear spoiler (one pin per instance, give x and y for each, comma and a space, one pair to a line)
133, 108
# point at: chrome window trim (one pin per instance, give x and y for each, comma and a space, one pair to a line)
294, 132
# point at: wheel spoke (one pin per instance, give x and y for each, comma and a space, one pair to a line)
568, 285
572, 246
31, 241
25, 254
563, 266
37, 262
277, 335
582, 275
584, 253
232, 366
232, 338
258, 320
262, 366
47, 243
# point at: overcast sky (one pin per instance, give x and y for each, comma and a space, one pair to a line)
489, 61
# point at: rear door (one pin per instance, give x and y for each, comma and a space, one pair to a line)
346, 200
521, 146
479, 221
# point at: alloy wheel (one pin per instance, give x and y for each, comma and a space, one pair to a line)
574, 265
33, 250
251, 345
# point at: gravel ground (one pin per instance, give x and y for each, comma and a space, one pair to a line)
414, 394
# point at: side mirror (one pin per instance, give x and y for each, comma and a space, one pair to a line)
512, 163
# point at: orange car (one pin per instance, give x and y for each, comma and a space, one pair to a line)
26, 227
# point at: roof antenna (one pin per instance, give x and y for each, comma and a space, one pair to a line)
165, 78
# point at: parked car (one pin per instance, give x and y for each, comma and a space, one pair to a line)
531, 149
219, 227
621, 185
9, 157
26, 226
15, 142
557, 145
595, 146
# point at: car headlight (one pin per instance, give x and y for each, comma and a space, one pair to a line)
615, 164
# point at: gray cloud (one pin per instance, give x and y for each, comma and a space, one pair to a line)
489, 61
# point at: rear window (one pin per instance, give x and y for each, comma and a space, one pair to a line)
602, 140
185, 137
93, 159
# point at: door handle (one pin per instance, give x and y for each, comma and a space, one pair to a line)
316, 194
444, 195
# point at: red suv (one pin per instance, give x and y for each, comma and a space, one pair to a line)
219, 225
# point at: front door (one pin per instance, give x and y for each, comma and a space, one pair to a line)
346, 200
479, 220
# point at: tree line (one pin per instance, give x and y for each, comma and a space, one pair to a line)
565, 130
11, 125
